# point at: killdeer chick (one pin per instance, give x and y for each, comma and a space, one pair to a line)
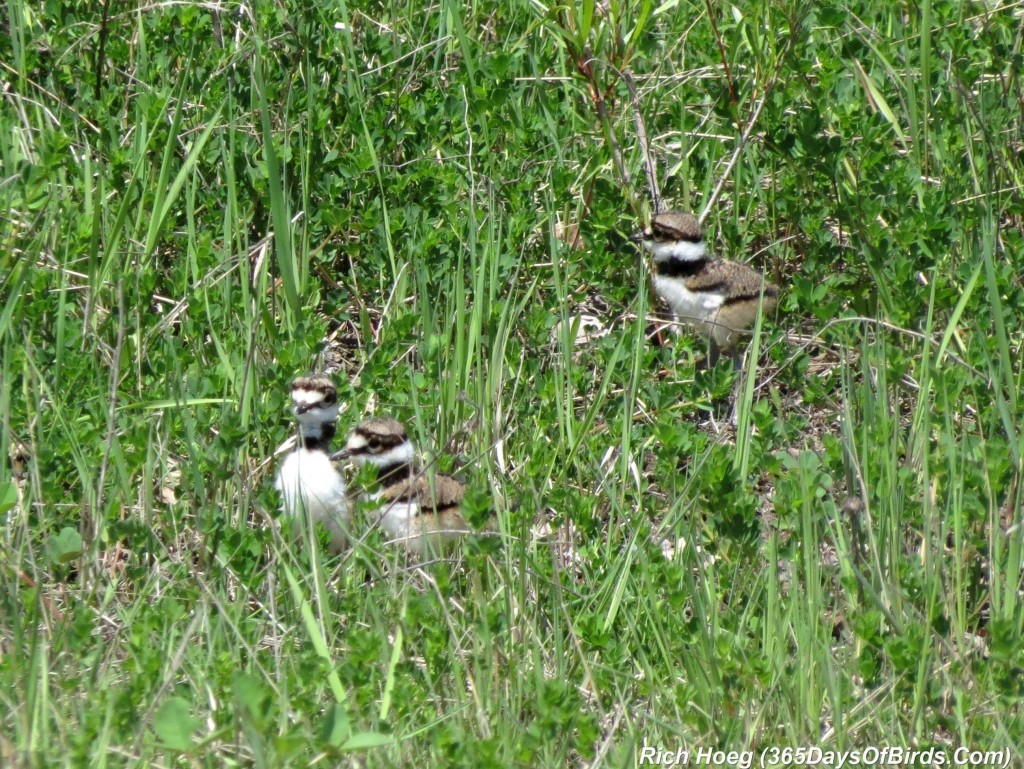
20, 456
717, 297
421, 511
308, 480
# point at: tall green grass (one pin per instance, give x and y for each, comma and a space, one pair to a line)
839, 569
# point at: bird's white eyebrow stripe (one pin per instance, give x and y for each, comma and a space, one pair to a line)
307, 397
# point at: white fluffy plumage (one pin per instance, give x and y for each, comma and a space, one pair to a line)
310, 484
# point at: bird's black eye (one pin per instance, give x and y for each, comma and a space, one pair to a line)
373, 445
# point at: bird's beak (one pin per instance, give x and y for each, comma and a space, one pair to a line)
340, 456
302, 408
638, 236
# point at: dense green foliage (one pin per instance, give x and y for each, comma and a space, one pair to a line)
198, 196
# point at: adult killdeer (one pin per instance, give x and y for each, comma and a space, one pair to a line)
717, 297
420, 510
309, 483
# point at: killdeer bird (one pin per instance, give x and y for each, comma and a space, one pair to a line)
20, 456
308, 480
422, 511
717, 297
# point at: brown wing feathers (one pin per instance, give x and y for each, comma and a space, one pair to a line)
433, 494
739, 281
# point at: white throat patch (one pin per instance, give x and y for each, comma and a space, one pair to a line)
683, 250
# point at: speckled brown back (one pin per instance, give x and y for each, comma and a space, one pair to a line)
442, 494
734, 281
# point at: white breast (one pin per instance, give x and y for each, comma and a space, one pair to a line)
399, 519
685, 304
420, 532
310, 483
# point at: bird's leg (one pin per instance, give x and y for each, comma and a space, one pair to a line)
737, 360
714, 352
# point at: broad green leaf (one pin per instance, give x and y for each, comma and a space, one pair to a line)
8, 496
63, 547
174, 725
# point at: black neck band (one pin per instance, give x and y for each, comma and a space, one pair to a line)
318, 439
674, 267
396, 471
